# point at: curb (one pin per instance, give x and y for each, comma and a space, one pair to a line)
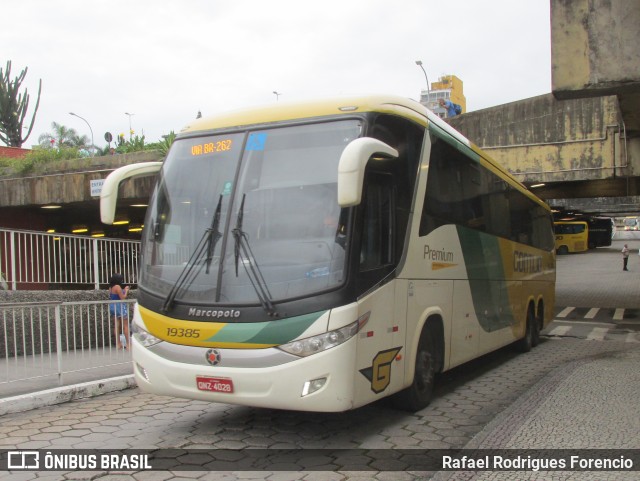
50, 397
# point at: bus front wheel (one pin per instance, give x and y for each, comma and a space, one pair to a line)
419, 394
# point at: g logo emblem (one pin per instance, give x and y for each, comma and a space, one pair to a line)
380, 371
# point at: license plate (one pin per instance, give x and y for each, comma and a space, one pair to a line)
214, 384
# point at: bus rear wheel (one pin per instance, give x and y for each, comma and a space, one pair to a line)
419, 394
535, 339
526, 343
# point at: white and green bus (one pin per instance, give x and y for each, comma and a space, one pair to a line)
322, 256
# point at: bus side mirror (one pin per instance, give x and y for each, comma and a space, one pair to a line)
109, 193
353, 163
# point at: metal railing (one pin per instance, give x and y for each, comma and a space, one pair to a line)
36, 259
50, 339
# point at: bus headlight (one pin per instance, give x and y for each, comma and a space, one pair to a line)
144, 337
321, 342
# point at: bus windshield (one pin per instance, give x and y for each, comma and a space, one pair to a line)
251, 215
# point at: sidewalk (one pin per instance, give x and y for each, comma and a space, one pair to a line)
48, 389
39, 372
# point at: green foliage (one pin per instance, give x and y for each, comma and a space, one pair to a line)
5, 164
13, 107
41, 156
62, 136
106, 150
134, 144
73, 149
164, 145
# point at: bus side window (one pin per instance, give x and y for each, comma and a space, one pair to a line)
460, 191
455, 190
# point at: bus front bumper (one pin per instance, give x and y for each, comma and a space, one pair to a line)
322, 382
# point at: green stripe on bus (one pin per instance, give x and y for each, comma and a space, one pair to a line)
270, 332
483, 260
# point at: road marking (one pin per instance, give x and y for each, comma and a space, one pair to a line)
631, 337
565, 312
600, 331
587, 323
597, 334
560, 331
618, 315
592, 313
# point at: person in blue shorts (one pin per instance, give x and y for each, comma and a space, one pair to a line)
119, 311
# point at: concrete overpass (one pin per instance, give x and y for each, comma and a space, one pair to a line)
582, 140
63, 196
577, 148
594, 53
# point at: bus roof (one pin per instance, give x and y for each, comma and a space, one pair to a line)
283, 111
389, 104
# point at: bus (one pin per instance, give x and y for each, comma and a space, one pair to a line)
630, 223
571, 236
324, 255
600, 231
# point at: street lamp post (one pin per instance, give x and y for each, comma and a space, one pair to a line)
419, 64
130, 115
90, 129
277, 94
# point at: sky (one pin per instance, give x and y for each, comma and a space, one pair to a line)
164, 61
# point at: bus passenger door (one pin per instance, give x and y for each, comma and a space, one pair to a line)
380, 342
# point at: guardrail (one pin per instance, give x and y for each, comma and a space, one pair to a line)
51, 339
36, 259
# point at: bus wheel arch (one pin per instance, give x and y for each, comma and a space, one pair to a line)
429, 360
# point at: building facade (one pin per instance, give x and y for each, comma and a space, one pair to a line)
448, 87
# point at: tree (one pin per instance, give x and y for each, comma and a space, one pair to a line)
63, 136
13, 107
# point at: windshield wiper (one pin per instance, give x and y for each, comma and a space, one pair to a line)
208, 242
243, 252
214, 234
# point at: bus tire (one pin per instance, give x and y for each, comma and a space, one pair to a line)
418, 395
563, 250
526, 343
535, 340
